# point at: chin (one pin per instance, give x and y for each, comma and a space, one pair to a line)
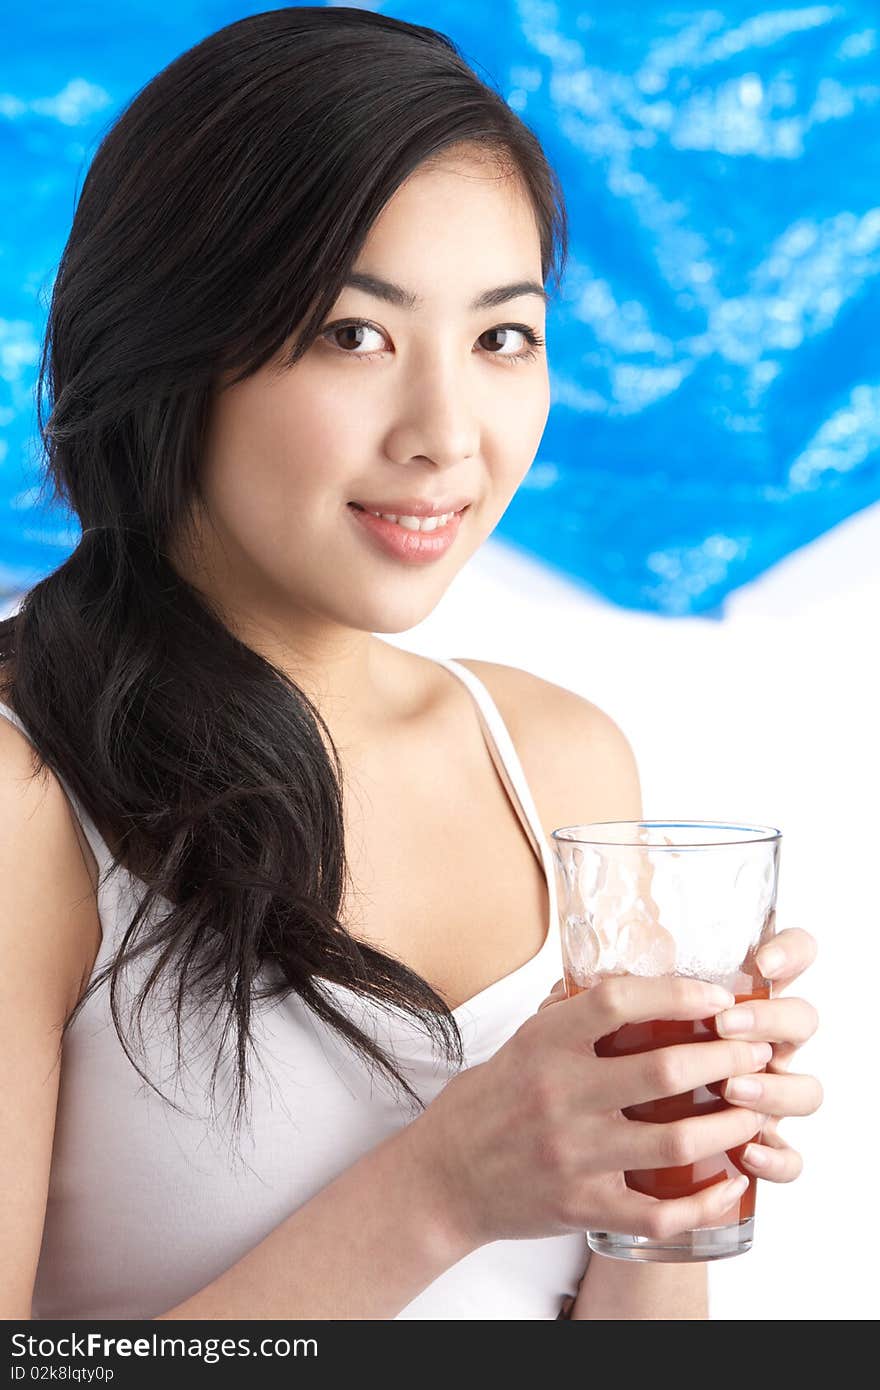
393, 617
389, 627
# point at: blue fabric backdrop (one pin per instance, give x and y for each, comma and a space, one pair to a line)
715, 361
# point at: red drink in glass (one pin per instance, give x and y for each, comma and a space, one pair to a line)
690, 1178
655, 899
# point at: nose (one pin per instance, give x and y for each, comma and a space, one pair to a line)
437, 419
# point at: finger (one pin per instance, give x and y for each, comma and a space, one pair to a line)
790, 1094
557, 992
772, 1159
769, 1020
658, 1218
782, 1057
619, 1082
639, 1144
786, 955
617, 999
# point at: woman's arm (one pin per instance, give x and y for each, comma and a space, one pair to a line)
639, 1291
361, 1248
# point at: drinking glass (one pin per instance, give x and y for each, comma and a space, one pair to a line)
691, 898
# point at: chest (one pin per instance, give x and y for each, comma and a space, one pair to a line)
442, 873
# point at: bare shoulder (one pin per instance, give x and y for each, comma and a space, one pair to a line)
578, 761
46, 924
43, 859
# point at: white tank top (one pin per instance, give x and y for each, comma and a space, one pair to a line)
146, 1205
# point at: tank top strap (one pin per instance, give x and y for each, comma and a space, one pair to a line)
507, 762
98, 845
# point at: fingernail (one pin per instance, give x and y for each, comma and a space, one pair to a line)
718, 998
738, 1020
742, 1088
771, 962
736, 1186
755, 1156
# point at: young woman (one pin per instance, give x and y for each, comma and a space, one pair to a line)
278, 1025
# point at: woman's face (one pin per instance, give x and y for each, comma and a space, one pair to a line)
438, 402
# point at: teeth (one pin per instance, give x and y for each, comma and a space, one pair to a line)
417, 523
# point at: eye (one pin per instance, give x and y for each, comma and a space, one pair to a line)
352, 329
356, 328
533, 338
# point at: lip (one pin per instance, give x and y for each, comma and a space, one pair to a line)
411, 547
414, 506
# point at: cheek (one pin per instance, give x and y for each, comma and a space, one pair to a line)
273, 455
541, 404
520, 434
526, 408
316, 436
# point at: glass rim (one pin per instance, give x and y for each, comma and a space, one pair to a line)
753, 834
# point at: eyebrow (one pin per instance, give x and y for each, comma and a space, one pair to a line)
405, 299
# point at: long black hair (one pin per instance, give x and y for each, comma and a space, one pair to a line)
222, 209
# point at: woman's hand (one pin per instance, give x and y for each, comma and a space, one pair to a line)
533, 1142
784, 1023
787, 1024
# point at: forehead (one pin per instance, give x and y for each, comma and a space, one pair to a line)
472, 215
